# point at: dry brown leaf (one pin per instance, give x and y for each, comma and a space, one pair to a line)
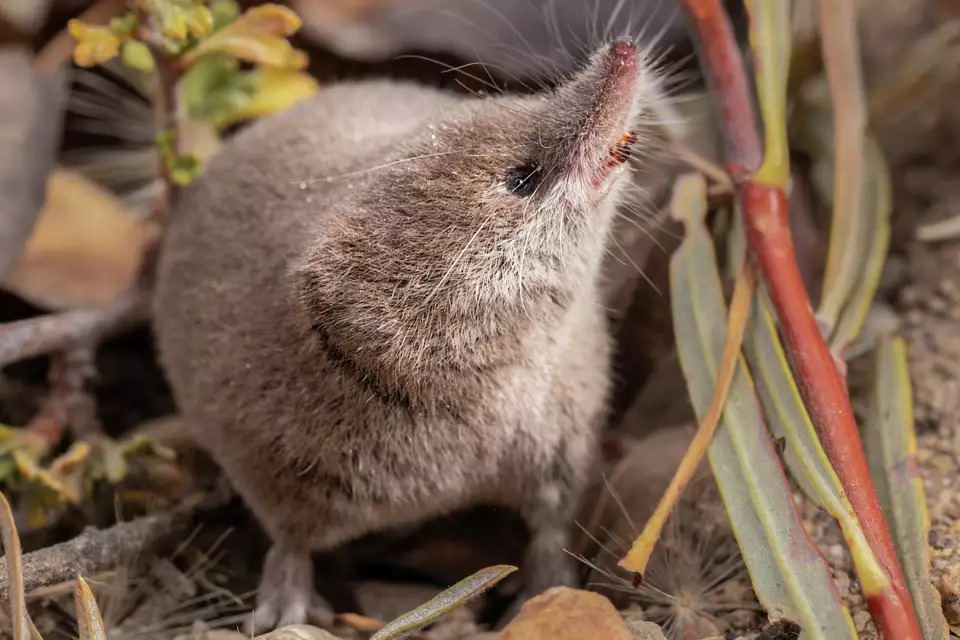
84, 250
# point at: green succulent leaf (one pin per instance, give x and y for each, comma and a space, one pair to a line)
89, 621
215, 87
224, 12
136, 55
789, 576
186, 169
125, 24
891, 447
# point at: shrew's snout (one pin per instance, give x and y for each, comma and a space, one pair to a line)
623, 54
623, 46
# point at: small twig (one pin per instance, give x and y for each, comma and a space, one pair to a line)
12, 554
941, 231
708, 168
70, 403
61, 331
359, 622
729, 87
93, 551
163, 99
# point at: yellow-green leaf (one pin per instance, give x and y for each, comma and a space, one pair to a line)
224, 12
12, 439
770, 40
445, 601
214, 87
199, 21
143, 445
891, 447
186, 169
43, 479
71, 460
95, 45
276, 90
22, 625
124, 25
89, 621
136, 55
808, 462
789, 576
171, 16
114, 463
257, 36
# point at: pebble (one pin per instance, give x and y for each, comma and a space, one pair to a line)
741, 618
837, 553
860, 620
842, 579
646, 631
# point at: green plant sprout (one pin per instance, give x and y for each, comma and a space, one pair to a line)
194, 52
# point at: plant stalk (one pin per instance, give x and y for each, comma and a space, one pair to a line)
764, 207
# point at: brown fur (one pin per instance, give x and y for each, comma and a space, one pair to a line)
363, 344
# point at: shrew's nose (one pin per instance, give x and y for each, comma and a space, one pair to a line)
623, 46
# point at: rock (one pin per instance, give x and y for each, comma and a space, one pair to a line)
646, 631
567, 614
299, 632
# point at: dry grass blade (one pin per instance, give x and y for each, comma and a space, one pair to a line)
891, 447
789, 576
877, 201
89, 621
23, 628
639, 555
851, 172
359, 622
868, 248
941, 231
839, 41
447, 600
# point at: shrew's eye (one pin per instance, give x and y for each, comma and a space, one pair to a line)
523, 180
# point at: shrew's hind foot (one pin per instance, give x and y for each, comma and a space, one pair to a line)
287, 594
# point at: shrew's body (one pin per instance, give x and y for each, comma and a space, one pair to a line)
384, 304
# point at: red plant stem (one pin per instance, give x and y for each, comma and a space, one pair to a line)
729, 87
768, 236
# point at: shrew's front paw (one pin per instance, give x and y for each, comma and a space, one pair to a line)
287, 595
